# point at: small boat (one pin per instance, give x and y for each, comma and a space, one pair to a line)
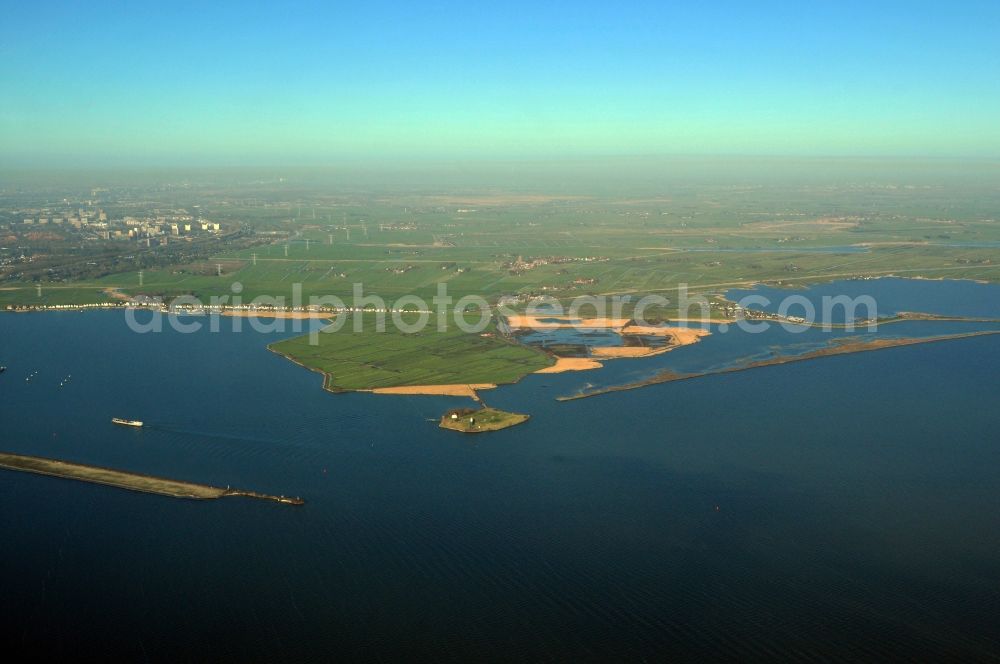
2, 369
126, 423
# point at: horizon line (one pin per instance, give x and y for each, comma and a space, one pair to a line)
231, 163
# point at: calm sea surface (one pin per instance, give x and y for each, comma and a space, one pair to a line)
842, 508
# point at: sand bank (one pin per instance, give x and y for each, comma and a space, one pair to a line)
571, 364
679, 336
458, 390
544, 322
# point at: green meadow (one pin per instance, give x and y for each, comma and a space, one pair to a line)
369, 359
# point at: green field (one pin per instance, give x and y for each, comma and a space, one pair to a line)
371, 359
646, 236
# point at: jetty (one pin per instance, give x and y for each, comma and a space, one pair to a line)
130, 481
842, 346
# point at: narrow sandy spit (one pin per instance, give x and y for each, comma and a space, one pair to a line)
571, 364
457, 390
610, 352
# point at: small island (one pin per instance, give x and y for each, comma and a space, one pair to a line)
468, 420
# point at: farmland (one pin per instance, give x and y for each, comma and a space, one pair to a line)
567, 240
371, 359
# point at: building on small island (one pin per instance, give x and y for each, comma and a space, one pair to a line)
485, 419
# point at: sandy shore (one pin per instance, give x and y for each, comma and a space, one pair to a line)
293, 315
571, 364
458, 390
680, 336
555, 322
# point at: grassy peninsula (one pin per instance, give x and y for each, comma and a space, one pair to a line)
372, 359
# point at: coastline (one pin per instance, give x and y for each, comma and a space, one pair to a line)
290, 315
679, 336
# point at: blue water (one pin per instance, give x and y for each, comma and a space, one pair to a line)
845, 508
585, 337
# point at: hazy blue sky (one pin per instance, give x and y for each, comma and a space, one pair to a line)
219, 82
